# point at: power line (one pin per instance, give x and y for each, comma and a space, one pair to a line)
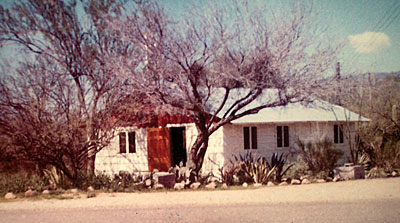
383, 24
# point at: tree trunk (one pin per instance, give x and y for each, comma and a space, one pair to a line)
199, 147
91, 164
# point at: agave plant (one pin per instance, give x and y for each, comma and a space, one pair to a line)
256, 168
278, 163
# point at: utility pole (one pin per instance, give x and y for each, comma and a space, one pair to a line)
339, 89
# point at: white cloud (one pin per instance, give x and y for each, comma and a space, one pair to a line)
369, 42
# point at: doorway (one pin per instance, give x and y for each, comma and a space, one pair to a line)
178, 145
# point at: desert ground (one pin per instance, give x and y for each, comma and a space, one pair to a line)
374, 200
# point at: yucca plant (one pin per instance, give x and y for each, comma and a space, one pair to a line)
56, 177
278, 163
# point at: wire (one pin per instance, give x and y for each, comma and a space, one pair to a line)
383, 24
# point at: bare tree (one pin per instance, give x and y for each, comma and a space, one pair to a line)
374, 96
58, 105
214, 65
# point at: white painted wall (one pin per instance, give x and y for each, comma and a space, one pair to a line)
214, 150
223, 144
110, 161
233, 143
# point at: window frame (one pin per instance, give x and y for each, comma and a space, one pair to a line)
127, 142
282, 136
250, 140
338, 136
131, 142
122, 142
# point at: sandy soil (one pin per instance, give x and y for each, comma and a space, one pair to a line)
327, 192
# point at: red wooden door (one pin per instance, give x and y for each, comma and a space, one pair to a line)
158, 147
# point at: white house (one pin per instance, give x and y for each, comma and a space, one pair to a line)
271, 130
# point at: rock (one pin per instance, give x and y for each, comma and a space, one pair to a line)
158, 186
195, 185
46, 192
179, 186
10, 196
75, 191
257, 185
90, 188
320, 181
328, 179
224, 186
245, 184
270, 184
30, 193
336, 179
304, 177
305, 181
295, 182
283, 184
395, 174
211, 186
147, 182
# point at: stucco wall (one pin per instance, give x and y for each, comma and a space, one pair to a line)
110, 161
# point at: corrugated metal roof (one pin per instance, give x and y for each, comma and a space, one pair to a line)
317, 111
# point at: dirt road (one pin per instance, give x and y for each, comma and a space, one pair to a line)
375, 200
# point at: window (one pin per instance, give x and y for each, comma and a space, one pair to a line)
250, 133
338, 134
123, 142
282, 136
131, 140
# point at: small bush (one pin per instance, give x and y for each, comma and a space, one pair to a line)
229, 173
376, 172
21, 182
298, 169
384, 153
319, 155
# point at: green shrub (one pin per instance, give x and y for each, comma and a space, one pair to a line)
319, 155
323, 175
384, 153
98, 181
376, 172
299, 169
101, 181
21, 182
228, 173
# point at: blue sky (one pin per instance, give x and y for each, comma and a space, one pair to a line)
368, 29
